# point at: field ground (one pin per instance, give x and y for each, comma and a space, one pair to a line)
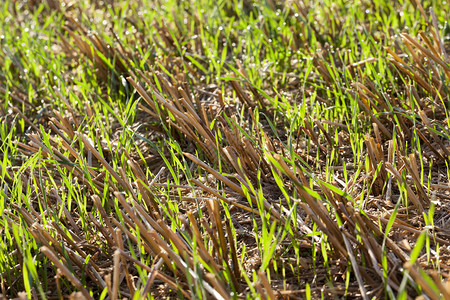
224, 149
